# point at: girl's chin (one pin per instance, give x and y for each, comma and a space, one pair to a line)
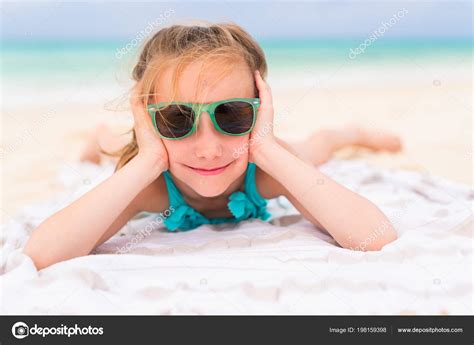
209, 190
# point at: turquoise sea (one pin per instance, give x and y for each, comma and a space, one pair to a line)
68, 58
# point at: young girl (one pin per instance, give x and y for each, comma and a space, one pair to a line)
203, 152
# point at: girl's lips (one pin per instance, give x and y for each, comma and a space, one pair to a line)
207, 172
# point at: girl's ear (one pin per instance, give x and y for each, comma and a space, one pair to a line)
255, 87
256, 90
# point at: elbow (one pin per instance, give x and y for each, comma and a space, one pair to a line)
39, 260
380, 243
376, 241
41, 256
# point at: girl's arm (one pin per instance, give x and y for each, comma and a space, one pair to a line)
75, 230
97, 215
269, 188
153, 199
352, 220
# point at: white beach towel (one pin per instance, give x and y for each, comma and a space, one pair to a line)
286, 266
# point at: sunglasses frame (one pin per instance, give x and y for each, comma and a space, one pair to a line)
199, 108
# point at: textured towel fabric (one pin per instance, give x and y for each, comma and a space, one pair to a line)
284, 266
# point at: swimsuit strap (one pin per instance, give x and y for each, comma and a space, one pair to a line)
251, 186
174, 194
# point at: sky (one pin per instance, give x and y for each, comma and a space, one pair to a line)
122, 20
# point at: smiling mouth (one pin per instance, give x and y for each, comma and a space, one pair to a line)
209, 171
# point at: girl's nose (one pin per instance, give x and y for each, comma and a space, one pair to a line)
208, 142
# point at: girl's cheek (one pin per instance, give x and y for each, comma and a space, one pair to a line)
173, 149
239, 147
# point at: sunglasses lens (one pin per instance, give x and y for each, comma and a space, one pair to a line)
235, 117
174, 121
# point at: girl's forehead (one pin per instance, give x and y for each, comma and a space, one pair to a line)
204, 84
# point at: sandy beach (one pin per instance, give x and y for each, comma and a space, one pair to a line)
429, 104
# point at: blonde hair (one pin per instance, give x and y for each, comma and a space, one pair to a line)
179, 45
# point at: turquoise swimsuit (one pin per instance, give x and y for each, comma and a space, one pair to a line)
242, 205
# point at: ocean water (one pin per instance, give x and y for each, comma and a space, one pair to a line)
112, 59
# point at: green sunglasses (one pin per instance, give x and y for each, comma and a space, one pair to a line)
177, 120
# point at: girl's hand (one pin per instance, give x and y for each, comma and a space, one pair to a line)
262, 134
150, 144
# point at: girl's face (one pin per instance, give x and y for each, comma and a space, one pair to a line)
193, 160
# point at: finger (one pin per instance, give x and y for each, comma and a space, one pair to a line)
136, 102
135, 95
264, 91
140, 112
265, 110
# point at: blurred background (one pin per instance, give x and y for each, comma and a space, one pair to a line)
405, 67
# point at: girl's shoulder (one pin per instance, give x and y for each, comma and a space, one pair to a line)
154, 198
267, 186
